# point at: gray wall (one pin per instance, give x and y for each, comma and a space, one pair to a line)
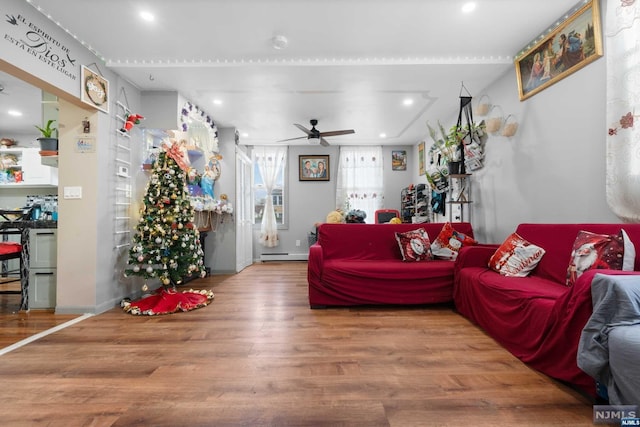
310, 202
220, 245
553, 169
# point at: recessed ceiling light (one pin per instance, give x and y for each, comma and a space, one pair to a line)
147, 16
14, 113
279, 42
468, 7
383, 135
244, 135
407, 101
217, 102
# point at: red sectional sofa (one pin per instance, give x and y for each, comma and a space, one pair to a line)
537, 318
361, 264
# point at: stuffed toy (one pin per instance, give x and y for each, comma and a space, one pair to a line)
335, 217
132, 119
356, 216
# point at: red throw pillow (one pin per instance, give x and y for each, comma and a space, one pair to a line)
414, 245
594, 251
449, 242
516, 257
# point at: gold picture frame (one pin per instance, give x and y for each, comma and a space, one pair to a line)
421, 159
574, 43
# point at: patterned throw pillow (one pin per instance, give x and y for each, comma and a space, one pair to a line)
414, 245
596, 251
516, 257
449, 242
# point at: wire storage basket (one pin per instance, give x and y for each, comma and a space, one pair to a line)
494, 122
510, 126
484, 105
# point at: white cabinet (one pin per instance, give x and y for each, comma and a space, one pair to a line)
43, 256
32, 171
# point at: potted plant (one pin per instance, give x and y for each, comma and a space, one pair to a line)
447, 145
450, 144
48, 142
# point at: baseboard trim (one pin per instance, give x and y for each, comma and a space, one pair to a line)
283, 257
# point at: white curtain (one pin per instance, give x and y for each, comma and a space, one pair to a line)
270, 161
360, 182
622, 38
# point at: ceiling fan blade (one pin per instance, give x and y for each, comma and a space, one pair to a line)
291, 139
324, 142
302, 128
337, 132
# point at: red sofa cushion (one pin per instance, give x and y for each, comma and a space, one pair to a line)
7, 248
557, 240
372, 241
358, 264
537, 318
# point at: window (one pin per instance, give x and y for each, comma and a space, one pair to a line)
360, 180
278, 195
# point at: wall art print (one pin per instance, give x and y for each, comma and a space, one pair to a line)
398, 160
574, 43
313, 168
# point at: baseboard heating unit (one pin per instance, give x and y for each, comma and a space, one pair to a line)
283, 256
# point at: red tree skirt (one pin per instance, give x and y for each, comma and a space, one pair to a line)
165, 301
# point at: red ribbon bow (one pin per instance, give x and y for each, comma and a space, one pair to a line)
176, 153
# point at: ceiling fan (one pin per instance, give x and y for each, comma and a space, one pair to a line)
315, 134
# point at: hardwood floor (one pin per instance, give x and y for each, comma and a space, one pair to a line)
15, 325
258, 356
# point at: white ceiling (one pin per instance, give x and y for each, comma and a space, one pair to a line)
348, 63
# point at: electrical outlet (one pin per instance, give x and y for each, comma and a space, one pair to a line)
297, 242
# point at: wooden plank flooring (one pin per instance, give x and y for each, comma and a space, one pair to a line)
258, 356
15, 325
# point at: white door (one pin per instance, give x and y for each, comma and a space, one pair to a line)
244, 234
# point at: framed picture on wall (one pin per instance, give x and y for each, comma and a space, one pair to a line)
398, 160
421, 158
313, 167
576, 42
94, 90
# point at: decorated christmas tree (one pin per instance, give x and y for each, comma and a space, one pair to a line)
166, 244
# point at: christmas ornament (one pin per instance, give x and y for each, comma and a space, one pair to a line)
132, 119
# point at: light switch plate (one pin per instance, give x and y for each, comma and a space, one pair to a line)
72, 192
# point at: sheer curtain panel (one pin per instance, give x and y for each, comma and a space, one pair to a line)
269, 160
360, 180
622, 38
